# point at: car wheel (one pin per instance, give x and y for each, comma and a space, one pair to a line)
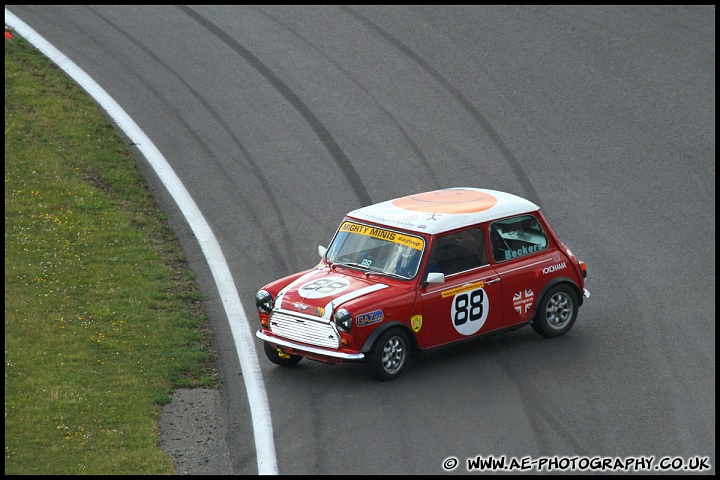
557, 312
280, 358
389, 355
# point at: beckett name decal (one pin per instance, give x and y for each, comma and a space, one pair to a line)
521, 251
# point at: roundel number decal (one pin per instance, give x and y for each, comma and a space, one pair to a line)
469, 311
323, 287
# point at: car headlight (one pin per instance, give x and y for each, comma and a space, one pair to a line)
263, 301
343, 320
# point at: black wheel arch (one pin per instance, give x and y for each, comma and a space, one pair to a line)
558, 281
367, 346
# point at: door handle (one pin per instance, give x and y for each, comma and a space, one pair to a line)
492, 281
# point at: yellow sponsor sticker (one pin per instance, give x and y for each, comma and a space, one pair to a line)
413, 242
416, 322
462, 288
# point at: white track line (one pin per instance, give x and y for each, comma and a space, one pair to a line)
242, 335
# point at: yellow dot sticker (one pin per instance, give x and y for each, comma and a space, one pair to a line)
416, 322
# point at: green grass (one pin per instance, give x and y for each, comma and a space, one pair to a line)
103, 318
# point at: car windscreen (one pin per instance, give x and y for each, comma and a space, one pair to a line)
376, 250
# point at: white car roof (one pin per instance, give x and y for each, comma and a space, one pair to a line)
442, 210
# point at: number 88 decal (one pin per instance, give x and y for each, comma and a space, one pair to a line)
322, 287
469, 311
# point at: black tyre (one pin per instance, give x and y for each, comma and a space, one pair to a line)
276, 356
389, 356
556, 312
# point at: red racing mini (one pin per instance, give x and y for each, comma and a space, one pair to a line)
418, 272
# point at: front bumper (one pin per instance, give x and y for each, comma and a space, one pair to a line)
299, 348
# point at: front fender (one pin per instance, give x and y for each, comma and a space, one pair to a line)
367, 346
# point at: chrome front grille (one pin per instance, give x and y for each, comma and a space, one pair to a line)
304, 328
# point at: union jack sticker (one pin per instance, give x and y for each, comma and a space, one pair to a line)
523, 300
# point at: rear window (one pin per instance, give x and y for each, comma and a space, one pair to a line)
516, 237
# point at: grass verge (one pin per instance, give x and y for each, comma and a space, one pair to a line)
103, 318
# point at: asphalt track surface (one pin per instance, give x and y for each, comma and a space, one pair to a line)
280, 119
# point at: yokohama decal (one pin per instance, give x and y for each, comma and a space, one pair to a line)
550, 269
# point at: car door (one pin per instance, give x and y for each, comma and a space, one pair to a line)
468, 302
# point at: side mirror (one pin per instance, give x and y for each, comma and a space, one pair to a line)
322, 250
433, 277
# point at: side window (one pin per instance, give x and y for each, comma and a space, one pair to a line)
458, 252
516, 237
